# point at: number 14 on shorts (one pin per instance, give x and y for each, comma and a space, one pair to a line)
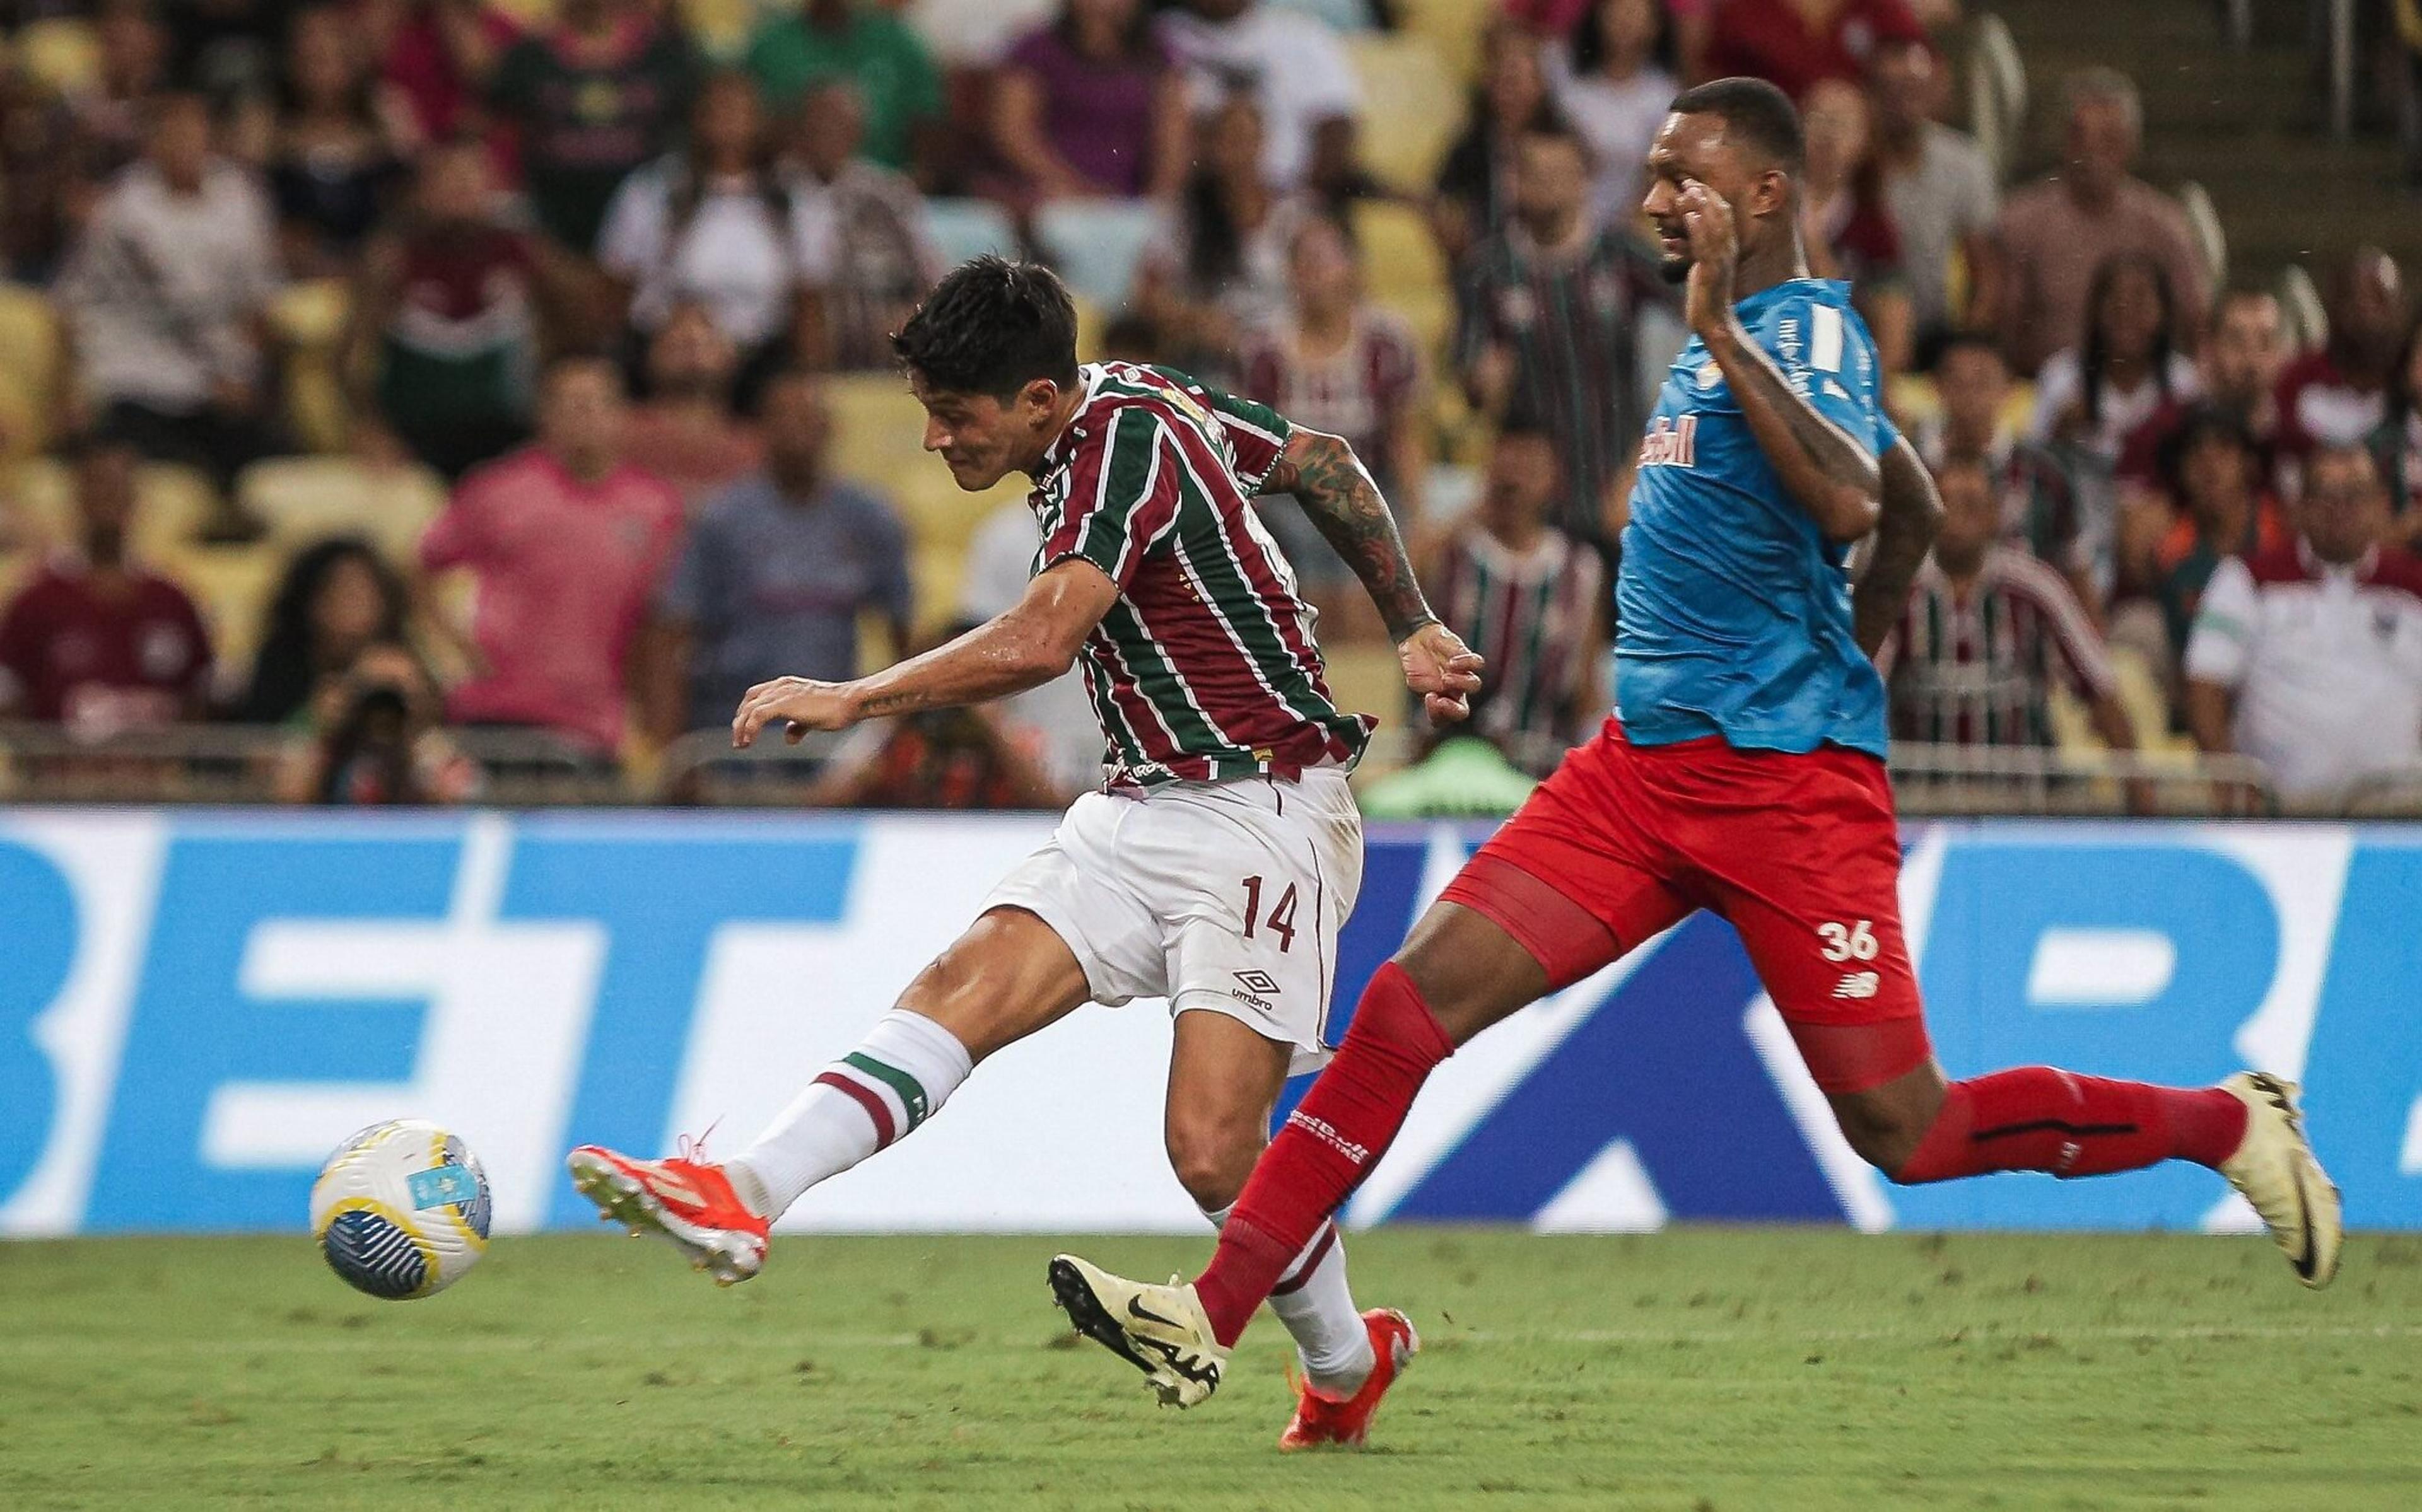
1280, 921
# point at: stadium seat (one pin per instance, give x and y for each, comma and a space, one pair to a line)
719, 27
29, 369
963, 228
1097, 243
1454, 28
309, 320
302, 499
878, 430
1404, 270
2203, 224
1412, 108
173, 504
939, 514
232, 586
528, 15
60, 53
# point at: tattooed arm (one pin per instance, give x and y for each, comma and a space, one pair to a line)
1909, 514
1336, 491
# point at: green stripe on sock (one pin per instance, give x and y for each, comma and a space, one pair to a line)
912, 1095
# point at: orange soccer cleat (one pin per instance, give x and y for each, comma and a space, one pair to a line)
689, 1201
1319, 1420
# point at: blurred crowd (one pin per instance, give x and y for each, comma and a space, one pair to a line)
612, 281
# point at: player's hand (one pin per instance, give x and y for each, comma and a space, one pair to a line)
1715, 248
799, 703
1443, 670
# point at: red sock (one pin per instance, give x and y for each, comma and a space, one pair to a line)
2035, 1118
1328, 1144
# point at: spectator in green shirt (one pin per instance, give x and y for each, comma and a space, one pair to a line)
872, 48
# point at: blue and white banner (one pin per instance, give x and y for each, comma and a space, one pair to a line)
195, 1008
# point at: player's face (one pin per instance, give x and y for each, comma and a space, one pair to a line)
1691, 150
981, 438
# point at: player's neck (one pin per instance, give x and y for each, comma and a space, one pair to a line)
1763, 267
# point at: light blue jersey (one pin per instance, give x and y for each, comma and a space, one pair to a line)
1733, 611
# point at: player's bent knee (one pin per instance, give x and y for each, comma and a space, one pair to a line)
1469, 973
1885, 1124
1211, 1158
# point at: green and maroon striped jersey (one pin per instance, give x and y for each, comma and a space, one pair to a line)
1205, 668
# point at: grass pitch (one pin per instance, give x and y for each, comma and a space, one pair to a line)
1693, 1369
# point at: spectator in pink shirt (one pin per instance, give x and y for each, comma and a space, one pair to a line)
567, 543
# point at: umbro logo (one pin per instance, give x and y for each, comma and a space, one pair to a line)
1859, 985
1256, 981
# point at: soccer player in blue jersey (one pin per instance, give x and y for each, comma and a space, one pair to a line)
1742, 772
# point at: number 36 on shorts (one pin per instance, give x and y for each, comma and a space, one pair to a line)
1849, 942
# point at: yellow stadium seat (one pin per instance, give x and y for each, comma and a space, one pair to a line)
310, 319
529, 15
940, 515
232, 586
934, 573
1412, 108
60, 53
719, 27
879, 427
29, 369
1366, 679
1405, 271
172, 505
1456, 28
302, 499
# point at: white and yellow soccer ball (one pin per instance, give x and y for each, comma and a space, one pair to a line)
401, 1211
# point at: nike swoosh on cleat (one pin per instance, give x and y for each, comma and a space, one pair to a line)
2306, 1260
1135, 1309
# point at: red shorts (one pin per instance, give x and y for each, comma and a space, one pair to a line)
1799, 853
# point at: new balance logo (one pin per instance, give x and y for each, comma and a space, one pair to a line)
1857, 985
1320, 1131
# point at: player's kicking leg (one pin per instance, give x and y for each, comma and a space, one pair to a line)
1224, 1078
1009, 976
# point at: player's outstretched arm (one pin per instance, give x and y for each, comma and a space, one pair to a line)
1027, 645
1909, 515
1345, 505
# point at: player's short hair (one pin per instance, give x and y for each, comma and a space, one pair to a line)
992, 326
1753, 111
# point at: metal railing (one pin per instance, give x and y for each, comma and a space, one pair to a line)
231, 764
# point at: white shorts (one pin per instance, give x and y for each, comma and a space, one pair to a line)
1223, 897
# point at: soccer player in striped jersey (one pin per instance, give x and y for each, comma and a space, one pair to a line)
1223, 854
1743, 772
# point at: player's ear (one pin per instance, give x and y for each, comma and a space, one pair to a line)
1037, 396
1769, 194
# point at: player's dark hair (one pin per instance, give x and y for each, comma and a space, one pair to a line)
992, 326
1753, 111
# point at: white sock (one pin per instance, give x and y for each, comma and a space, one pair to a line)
1318, 1307
898, 1076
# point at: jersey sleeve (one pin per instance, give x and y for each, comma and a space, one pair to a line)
1257, 432
2223, 639
1122, 499
1825, 355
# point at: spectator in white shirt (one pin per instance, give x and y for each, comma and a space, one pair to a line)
1294, 67
715, 224
2309, 657
162, 297
1614, 86
2129, 365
